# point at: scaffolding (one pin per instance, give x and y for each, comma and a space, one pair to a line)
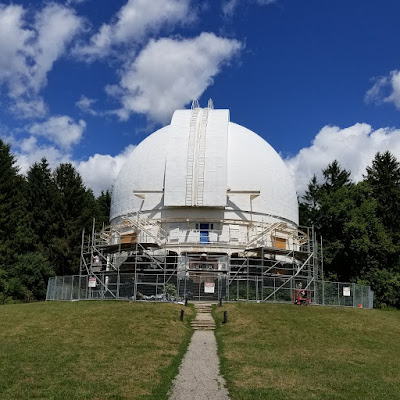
138, 260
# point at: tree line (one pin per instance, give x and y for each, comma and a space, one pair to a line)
42, 216
359, 224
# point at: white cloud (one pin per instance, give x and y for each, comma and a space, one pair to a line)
229, 6
61, 130
354, 147
133, 22
27, 151
29, 50
85, 104
100, 171
169, 73
386, 89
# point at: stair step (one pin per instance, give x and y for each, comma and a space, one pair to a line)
203, 329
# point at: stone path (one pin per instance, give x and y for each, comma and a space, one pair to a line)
199, 377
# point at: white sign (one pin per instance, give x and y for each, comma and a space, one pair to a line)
92, 282
209, 287
346, 291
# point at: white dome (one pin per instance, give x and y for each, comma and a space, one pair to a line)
225, 166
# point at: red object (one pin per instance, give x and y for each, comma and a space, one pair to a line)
302, 296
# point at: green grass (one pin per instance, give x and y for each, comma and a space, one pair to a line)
90, 350
285, 352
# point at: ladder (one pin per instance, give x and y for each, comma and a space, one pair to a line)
201, 158
190, 156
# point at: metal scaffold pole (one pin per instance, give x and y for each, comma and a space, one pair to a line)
81, 264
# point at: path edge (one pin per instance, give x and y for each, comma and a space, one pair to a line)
170, 372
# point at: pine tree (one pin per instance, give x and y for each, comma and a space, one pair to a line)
41, 202
15, 236
11, 202
76, 208
335, 177
103, 209
384, 178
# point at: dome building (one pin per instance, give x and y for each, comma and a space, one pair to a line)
203, 199
204, 209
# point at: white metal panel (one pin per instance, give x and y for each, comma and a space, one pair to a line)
176, 164
215, 171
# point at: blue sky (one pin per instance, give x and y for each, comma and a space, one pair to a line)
84, 81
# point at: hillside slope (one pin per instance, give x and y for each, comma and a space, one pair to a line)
90, 350
284, 352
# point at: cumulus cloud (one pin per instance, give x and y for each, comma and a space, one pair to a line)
100, 171
29, 49
354, 147
386, 89
61, 130
229, 6
28, 151
169, 73
133, 22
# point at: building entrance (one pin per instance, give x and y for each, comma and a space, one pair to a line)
206, 287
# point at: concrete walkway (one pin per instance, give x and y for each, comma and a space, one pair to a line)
199, 377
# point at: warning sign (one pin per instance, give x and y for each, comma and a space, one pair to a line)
346, 291
92, 282
209, 287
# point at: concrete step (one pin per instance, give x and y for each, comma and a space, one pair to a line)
204, 308
205, 327
203, 322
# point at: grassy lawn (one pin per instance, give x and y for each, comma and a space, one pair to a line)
90, 350
273, 351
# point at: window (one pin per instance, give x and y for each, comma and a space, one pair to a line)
279, 243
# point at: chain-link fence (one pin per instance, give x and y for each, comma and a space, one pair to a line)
343, 294
162, 287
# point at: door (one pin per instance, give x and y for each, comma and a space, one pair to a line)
204, 228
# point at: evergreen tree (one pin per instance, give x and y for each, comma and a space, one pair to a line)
103, 209
12, 214
384, 178
309, 207
358, 246
335, 177
76, 208
42, 204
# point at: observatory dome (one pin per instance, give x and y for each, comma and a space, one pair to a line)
203, 162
